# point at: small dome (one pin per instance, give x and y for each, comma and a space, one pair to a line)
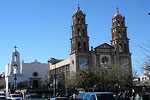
78, 11
15, 52
118, 14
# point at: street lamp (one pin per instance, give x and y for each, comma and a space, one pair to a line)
54, 61
149, 13
104, 66
66, 90
15, 78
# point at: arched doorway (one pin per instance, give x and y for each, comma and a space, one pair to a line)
35, 83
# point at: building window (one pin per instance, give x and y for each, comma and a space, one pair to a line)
79, 32
15, 59
119, 34
79, 46
82, 20
122, 23
84, 44
83, 32
125, 48
118, 23
35, 74
105, 60
120, 48
79, 21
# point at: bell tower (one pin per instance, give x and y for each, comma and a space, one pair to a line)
79, 55
119, 40
79, 40
15, 62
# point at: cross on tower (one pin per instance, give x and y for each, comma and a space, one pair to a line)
117, 8
15, 47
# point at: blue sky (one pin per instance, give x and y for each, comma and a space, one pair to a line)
41, 29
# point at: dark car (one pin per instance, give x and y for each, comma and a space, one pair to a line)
33, 97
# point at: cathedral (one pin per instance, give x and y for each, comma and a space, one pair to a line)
116, 53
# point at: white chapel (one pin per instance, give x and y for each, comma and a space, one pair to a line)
28, 75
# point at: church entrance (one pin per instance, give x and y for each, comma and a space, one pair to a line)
35, 83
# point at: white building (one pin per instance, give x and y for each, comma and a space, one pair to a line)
144, 79
33, 75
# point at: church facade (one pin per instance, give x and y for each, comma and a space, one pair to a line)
20, 75
116, 53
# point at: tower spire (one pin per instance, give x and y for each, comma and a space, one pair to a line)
117, 10
78, 6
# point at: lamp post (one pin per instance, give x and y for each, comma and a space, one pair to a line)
15, 78
49, 78
66, 90
104, 66
54, 61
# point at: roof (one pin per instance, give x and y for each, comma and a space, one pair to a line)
104, 46
60, 64
78, 12
118, 14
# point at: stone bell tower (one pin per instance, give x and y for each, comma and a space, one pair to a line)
120, 42
79, 42
119, 34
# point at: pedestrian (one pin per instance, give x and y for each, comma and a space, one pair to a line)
74, 96
120, 97
137, 97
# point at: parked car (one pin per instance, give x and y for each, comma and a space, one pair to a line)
15, 97
59, 98
2, 96
2, 93
96, 96
33, 97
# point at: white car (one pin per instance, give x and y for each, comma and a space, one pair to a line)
15, 97
2, 96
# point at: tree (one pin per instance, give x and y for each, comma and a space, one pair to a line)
84, 78
146, 64
100, 79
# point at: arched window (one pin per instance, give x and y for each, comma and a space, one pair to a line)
82, 21
125, 48
79, 32
119, 34
79, 46
118, 23
84, 44
15, 58
120, 48
79, 21
83, 32
122, 23
105, 60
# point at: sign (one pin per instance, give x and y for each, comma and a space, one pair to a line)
83, 63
